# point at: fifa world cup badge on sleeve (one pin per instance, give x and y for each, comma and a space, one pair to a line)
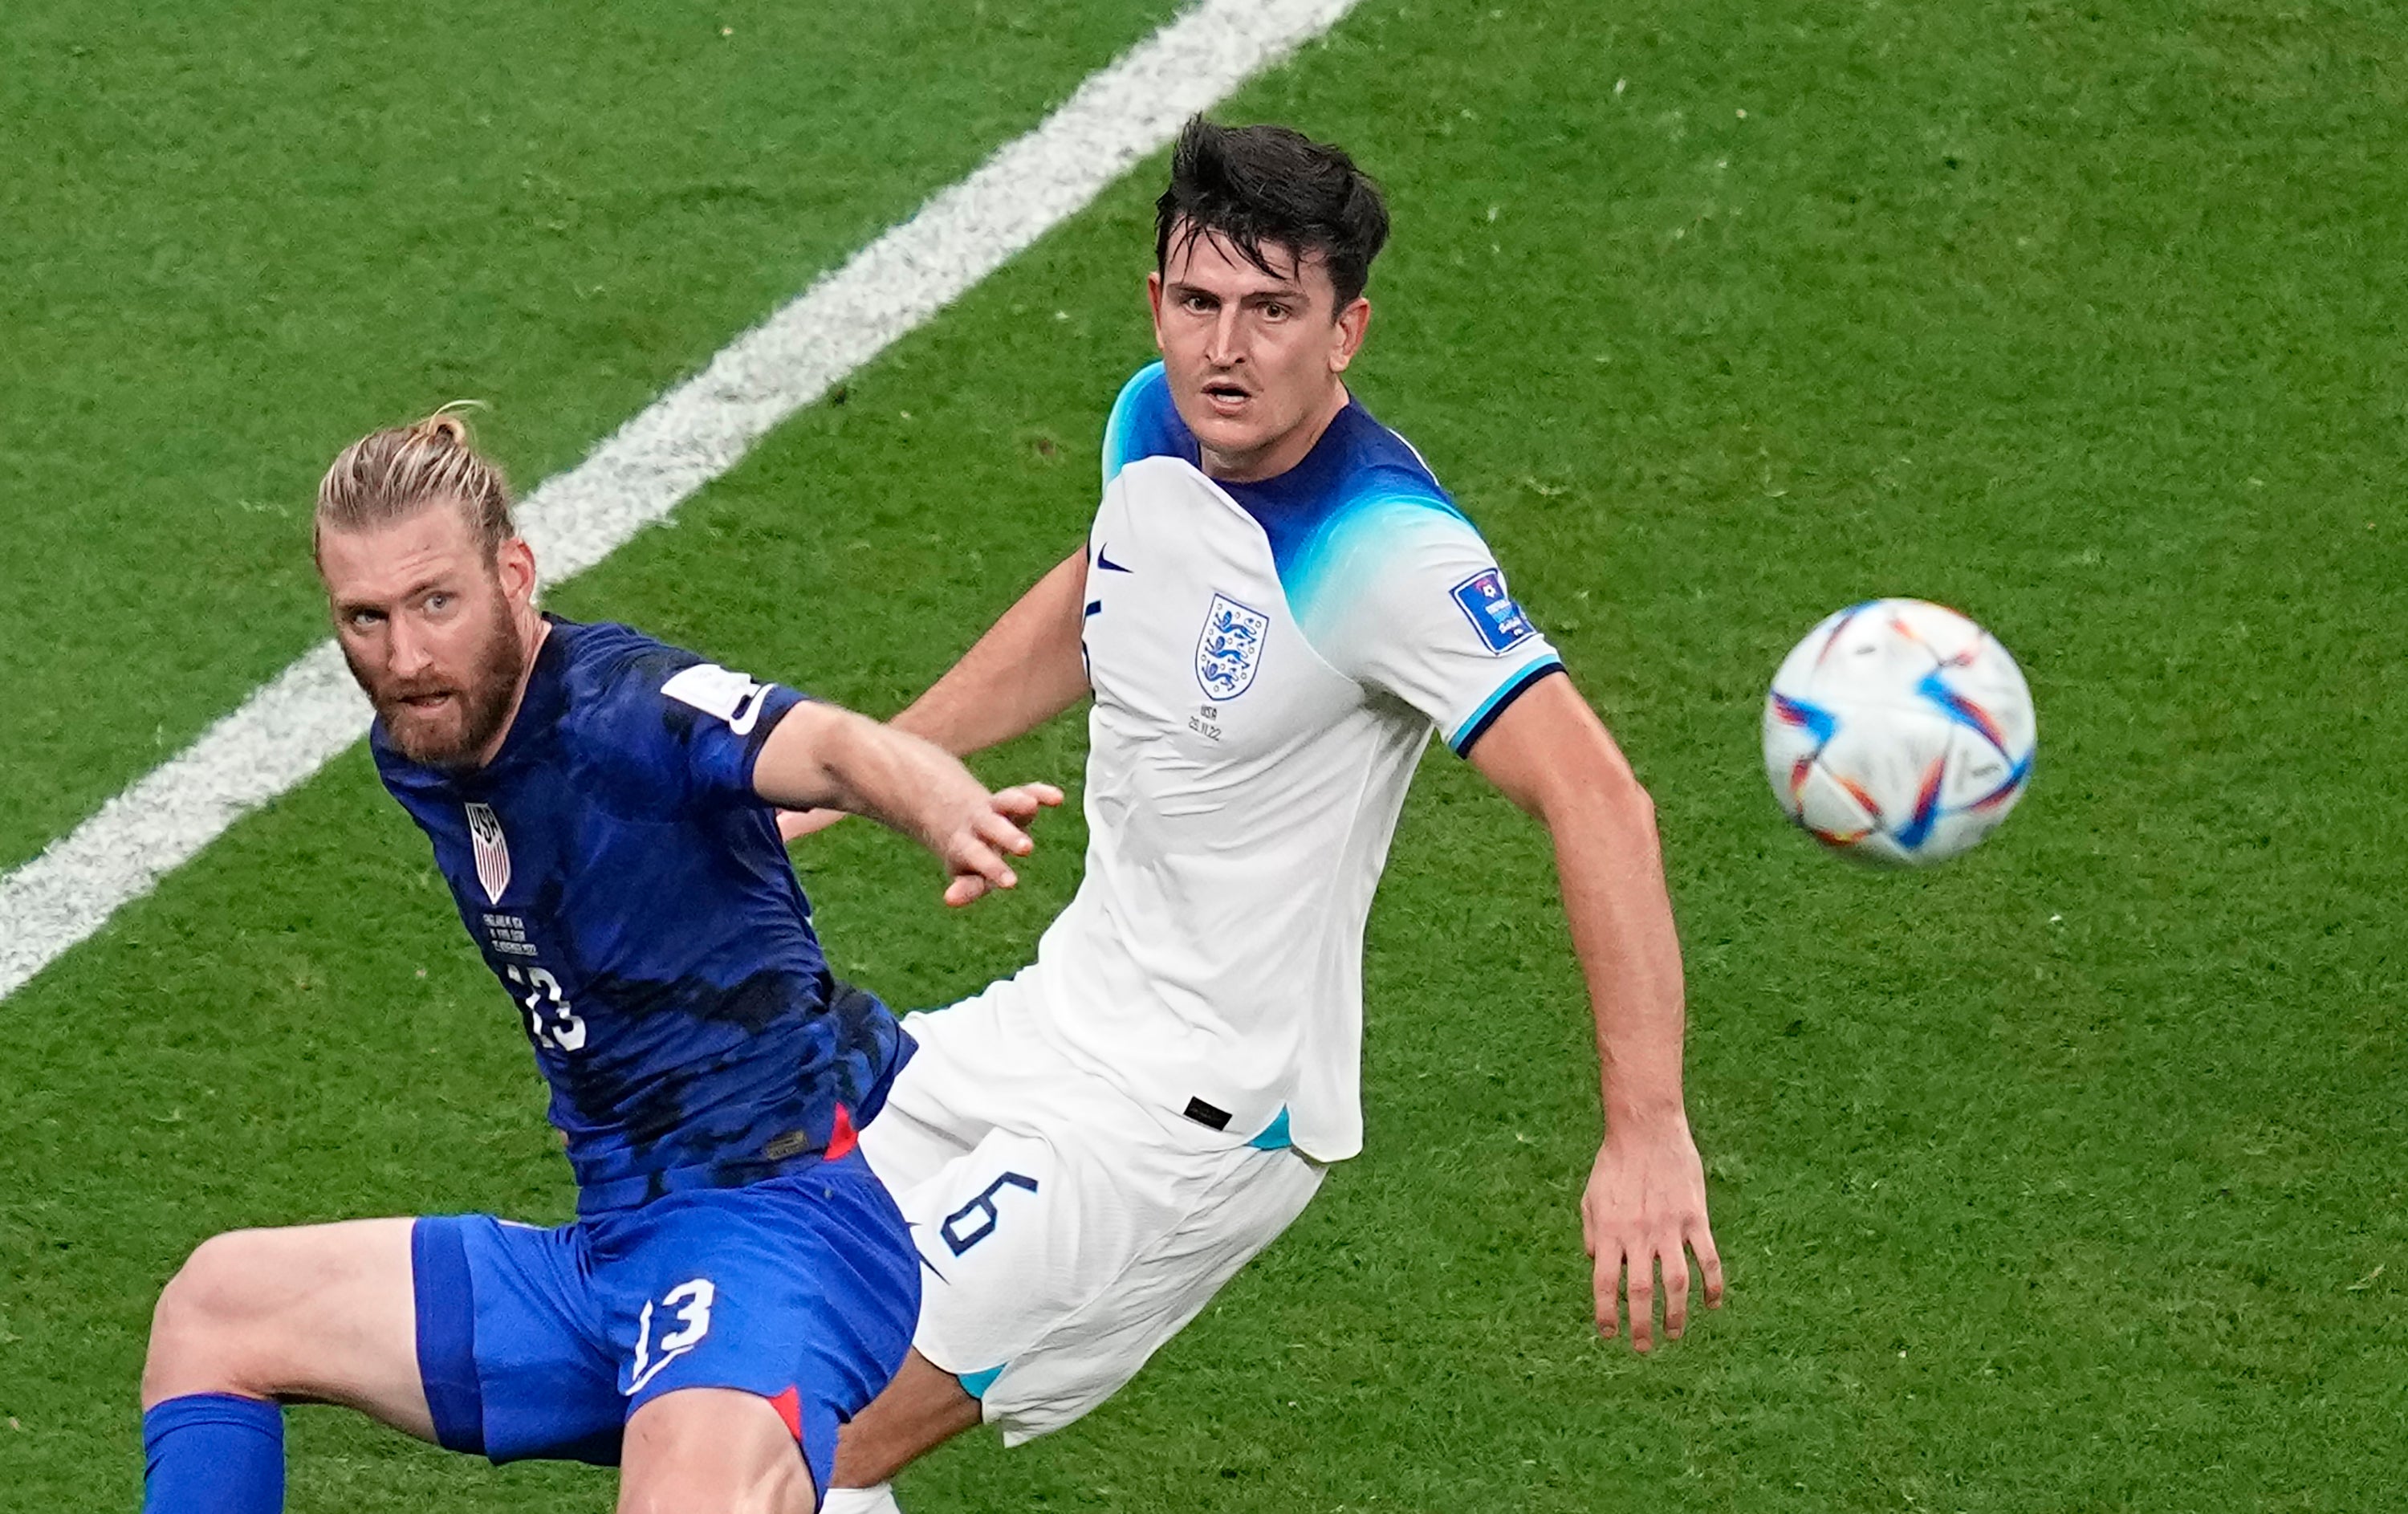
1499, 621
731, 696
1231, 648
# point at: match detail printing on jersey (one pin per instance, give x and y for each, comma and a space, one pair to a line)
631, 893
1267, 661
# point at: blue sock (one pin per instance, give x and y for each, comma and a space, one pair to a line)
213, 1453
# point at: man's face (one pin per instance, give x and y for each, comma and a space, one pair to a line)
1253, 357
434, 633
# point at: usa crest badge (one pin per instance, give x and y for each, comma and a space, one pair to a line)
1231, 648
493, 850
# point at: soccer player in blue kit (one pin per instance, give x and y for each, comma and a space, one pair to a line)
737, 1283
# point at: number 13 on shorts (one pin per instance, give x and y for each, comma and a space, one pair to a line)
684, 1321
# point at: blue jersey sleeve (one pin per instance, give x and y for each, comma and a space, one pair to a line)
670, 734
1143, 424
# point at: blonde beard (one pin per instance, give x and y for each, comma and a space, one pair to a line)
484, 702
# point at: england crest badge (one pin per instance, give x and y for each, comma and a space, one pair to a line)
1231, 648
493, 850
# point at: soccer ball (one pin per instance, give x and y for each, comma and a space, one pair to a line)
1900, 732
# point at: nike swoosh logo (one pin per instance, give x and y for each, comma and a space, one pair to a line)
914, 1228
1104, 561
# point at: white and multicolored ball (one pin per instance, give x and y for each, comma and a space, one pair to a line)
1898, 731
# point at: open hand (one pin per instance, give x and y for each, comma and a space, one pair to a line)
1645, 1207
977, 851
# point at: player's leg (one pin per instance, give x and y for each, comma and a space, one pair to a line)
256, 1319
746, 1326
968, 1072
1057, 1265
1011, 1234
1237, 1201
1005, 1243
921, 1409
711, 1451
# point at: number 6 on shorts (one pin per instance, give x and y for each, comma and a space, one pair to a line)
983, 1208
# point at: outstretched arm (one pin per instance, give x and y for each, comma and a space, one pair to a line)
1023, 672
1646, 1196
822, 757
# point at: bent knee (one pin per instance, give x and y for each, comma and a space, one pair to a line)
206, 1330
219, 1282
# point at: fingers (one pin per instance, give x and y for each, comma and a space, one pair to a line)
1676, 1290
1643, 1302
1606, 1282
1022, 801
1640, 1272
965, 888
1710, 1264
1667, 1266
976, 865
978, 857
998, 832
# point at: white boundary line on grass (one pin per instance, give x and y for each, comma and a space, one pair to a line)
309, 714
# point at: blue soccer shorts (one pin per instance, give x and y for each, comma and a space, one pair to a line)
540, 1343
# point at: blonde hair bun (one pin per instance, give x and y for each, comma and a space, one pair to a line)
390, 474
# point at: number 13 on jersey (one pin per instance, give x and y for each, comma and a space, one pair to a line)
552, 1025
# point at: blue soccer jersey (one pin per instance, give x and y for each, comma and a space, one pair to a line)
630, 891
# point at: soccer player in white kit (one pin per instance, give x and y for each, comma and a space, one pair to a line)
1276, 606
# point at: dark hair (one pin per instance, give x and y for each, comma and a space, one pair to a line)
1267, 186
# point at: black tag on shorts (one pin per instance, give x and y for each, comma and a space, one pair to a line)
1204, 1113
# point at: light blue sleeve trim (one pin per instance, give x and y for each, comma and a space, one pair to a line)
1274, 1136
1523, 677
977, 1383
1119, 426
1326, 568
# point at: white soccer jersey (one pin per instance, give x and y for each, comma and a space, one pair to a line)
1268, 661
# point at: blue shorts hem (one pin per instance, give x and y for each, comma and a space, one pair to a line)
445, 1290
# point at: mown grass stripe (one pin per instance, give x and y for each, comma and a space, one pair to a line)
299, 721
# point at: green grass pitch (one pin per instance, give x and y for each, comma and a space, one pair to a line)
2067, 1176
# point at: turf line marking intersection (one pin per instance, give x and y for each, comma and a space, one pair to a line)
311, 712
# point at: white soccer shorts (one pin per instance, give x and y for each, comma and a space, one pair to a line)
1068, 1229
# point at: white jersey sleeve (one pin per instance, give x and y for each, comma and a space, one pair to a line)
1403, 595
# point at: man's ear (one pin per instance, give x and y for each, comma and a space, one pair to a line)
514, 565
1153, 304
1354, 322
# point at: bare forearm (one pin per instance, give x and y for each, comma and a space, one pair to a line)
825, 758
1023, 672
1646, 1196
1550, 755
1611, 867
